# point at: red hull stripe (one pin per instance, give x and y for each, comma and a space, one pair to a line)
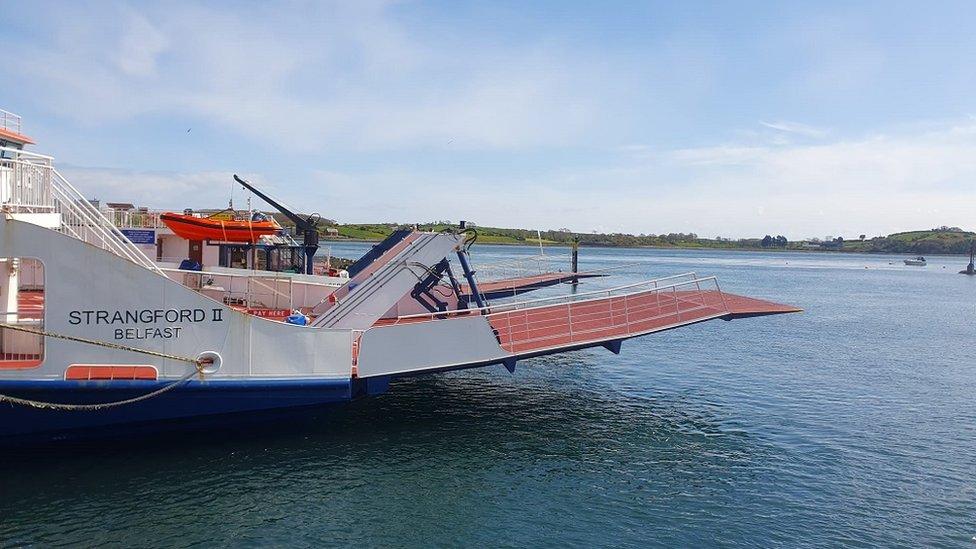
87, 372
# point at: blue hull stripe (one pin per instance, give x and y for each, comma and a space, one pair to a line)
193, 399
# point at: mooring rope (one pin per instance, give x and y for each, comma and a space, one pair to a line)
198, 369
98, 343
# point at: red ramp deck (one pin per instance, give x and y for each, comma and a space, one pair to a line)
584, 322
508, 287
741, 306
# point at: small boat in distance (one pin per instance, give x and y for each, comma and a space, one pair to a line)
971, 268
221, 226
916, 261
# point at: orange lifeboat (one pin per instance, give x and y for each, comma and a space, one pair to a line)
219, 227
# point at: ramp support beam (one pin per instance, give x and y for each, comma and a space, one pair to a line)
613, 346
469, 275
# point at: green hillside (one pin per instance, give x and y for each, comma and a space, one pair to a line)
942, 240
364, 232
486, 235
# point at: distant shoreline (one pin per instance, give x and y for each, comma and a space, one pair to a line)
940, 240
704, 248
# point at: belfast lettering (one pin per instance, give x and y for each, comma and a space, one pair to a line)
168, 332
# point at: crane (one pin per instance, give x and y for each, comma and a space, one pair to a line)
305, 226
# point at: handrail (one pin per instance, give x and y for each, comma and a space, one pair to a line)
251, 274
86, 222
254, 289
571, 299
33, 186
521, 331
22, 152
101, 225
518, 265
506, 307
135, 219
10, 121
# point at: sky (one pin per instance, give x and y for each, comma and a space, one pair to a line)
730, 119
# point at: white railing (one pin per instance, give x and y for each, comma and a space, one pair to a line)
665, 283
515, 268
587, 318
29, 184
135, 219
19, 349
620, 313
91, 226
25, 181
668, 283
10, 121
251, 290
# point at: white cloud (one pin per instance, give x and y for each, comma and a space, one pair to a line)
529, 132
161, 190
795, 128
309, 77
934, 159
875, 185
140, 44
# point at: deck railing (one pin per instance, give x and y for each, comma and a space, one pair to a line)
253, 290
600, 315
25, 181
665, 283
29, 184
135, 219
607, 315
515, 268
10, 121
20, 349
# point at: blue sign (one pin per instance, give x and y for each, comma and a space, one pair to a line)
140, 236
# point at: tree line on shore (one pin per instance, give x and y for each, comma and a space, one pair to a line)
940, 240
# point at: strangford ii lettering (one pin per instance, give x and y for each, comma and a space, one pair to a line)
144, 316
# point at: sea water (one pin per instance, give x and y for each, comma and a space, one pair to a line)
851, 423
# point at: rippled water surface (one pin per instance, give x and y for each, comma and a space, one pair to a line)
851, 423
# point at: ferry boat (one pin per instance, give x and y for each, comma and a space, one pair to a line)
97, 339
